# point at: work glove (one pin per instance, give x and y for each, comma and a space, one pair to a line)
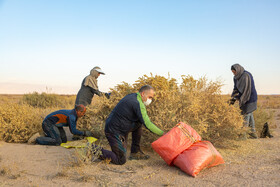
77, 137
107, 95
88, 133
232, 101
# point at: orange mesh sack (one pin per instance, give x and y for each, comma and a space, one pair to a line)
177, 140
197, 157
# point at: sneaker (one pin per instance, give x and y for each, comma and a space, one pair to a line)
253, 135
33, 138
138, 156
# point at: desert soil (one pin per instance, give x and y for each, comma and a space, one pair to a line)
256, 162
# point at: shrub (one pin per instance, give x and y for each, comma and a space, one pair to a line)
196, 102
19, 122
45, 100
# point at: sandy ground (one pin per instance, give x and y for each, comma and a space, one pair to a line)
36, 165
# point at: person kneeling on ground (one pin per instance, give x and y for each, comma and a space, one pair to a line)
53, 126
128, 116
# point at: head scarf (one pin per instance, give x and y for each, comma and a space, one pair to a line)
239, 71
243, 83
91, 79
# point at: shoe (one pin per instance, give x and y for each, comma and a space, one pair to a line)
138, 156
270, 136
253, 135
33, 138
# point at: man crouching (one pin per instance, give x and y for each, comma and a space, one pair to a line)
53, 126
128, 116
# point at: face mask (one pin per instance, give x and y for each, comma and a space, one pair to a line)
147, 102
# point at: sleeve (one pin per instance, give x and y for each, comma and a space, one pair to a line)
144, 119
235, 93
97, 92
246, 94
72, 127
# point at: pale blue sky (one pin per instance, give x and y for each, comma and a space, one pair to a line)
55, 43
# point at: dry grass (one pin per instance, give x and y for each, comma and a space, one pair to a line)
196, 102
10, 172
45, 100
269, 101
19, 122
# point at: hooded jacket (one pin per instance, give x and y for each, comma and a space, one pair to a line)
88, 88
245, 87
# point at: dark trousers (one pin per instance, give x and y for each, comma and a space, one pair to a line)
118, 145
54, 135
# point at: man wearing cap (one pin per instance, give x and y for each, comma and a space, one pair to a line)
129, 115
89, 87
53, 126
245, 92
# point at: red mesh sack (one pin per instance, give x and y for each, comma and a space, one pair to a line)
197, 157
178, 139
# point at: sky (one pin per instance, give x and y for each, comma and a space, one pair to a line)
50, 45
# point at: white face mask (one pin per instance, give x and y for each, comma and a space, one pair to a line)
147, 102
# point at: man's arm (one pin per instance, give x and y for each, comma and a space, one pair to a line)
141, 112
72, 127
97, 92
235, 93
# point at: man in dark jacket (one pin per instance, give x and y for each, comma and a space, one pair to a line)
244, 90
128, 116
53, 126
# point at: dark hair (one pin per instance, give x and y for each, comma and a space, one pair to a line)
80, 108
145, 88
233, 68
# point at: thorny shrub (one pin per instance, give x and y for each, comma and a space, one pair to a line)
19, 122
196, 102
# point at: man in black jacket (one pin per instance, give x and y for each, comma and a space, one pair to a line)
128, 116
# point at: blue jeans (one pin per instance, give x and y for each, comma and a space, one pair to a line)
249, 121
54, 135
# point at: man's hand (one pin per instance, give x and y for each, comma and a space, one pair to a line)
231, 101
88, 133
